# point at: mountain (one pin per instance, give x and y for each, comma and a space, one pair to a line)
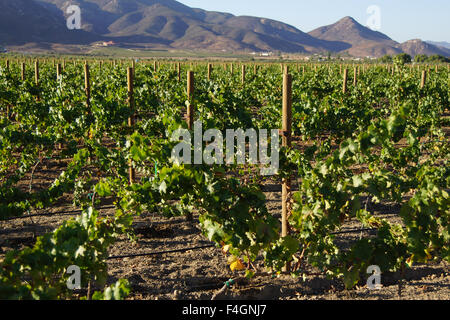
362, 40
366, 42
99, 15
25, 21
417, 46
175, 25
169, 24
439, 44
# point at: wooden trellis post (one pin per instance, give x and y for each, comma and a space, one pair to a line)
58, 70
209, 71
58, 75
243, 74
36, 77
190, 94
286, 142
130, 76
232, 68
22, 72
36, 72
424, 79
179, 71
344, 84
87, 87
190, 114
355, 76
155, 65
7, 106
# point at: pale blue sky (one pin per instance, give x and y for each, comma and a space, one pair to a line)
400, 19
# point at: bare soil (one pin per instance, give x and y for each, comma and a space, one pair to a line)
199, 274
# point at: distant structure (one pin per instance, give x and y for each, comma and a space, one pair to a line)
109, 43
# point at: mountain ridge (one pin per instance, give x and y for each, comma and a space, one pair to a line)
416, 46
443, 44
363, 40
24, 21
172, 25
180, 26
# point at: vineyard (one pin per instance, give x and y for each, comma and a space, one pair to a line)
87, 178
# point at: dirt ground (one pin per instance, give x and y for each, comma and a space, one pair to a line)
199, 274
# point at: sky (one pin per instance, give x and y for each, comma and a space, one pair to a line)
401, 20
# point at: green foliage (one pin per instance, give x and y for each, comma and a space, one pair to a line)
117, 291
386, 59
402, 58
40, 272
422, 58
386, 126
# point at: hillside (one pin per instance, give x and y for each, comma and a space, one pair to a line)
440, 44
362, 40
25, 21
169, 24
417, 46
